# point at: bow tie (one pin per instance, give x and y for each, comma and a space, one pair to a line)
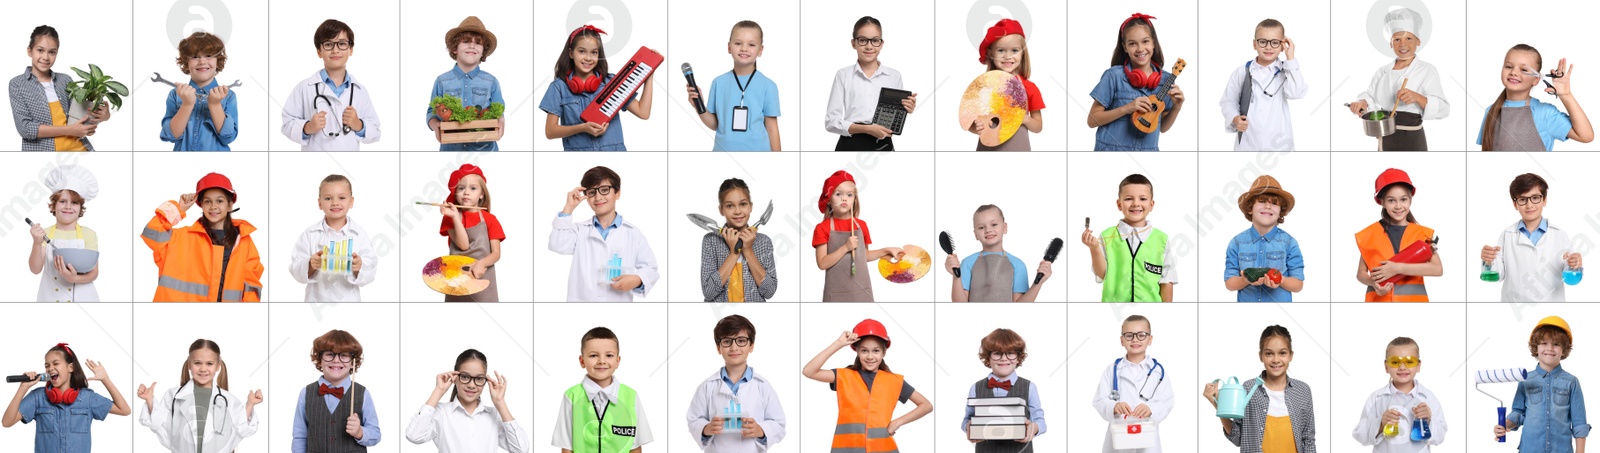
1002, 385
338, 392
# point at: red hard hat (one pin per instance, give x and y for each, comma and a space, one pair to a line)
872, 328
1388, 177
215, 181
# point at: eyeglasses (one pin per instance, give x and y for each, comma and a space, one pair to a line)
864, 42
1003, 355
466, 379
1269, 43
1407, 362
1131, 336
734, 341
602, 190
330, 356
1523, 201
330, 45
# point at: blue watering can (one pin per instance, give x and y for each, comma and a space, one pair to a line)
1232, 398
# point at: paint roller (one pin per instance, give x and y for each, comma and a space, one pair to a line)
1498, 376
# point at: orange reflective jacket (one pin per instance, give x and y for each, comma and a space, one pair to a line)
864, 416
190, 265
1376, 248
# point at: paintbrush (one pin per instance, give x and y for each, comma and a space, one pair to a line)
424, 203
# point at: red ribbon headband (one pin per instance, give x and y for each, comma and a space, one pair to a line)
574, 33
1146, 17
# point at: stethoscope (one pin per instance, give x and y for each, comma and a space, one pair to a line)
325, 100
215, 426
1116, 380
1269, 82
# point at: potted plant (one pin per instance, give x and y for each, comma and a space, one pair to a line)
93, 90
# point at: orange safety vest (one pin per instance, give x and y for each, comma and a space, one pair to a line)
1376, 248
190, 265
864, 415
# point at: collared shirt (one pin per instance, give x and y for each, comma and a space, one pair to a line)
599, 397
1268, 113
1113, 92
477, 88
1531, 268
369, 416
714, 251
453, 429
63, 428
1368, 429
1420, 77
1035, 410
1551, 123
1276, 249
1538, 232
734, 385
30, 108
854, 98
1169, 270
568, 107
1247, 433
760, 95
756, 399
201, 134
1549, 410
1130, 378
591, 248
319, 91
331, 286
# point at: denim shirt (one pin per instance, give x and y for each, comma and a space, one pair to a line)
63, 428
1115, 91
1277, 250
477, 88
201, 134
1549, 410
568, 107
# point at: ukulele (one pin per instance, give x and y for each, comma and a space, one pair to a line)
1148, 122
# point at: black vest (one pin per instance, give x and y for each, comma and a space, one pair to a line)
324, 430
1020, 390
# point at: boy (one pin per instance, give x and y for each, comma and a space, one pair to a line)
605, 241
319, 114
743, 105
325, 418
1137, 265
1536, 251
739, 390
201, 56
1550, 401
1416, 83
335, 197
1002, 351
1131, 373
992, 275
601, 415
1266, 205
470, 44
1261, 89
1401, 404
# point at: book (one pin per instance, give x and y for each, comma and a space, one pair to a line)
997, 432
998, 401
998, 421
999, 411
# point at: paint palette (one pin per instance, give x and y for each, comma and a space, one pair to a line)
452, 275
998, 102
913, 266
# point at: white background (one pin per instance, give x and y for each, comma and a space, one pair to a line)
375, 62
635, 21
643, 358
1438, 205
1498, 337
101, 333
1228, 35
166, 176
87, 35
373, 180
504, 339
958, 65
375, 326
1492, 211
1445, 50
642, 204
893, 193
911, 354
423, 178
427, 55
1489, 52
907, 48
771, 177
776, 357
1093, 338
106, 215
244, 348
1360, 348
1030, 190
1223, 176
1232, 335
1094, 194
1090, 57
246, 45
701, 38
961, 332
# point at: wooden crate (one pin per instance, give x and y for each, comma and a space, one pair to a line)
469, 132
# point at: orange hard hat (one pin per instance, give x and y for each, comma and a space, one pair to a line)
215, 181
872, 328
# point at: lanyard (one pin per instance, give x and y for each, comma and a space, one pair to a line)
745, 85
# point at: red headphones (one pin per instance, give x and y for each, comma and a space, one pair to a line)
587, 84
1139, 79
68, 395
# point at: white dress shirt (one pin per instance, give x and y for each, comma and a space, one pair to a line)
1420, 77
590, 251
1269, 116
1130, 376
563, 436
1529, 272
331, 286
854, 98
453, 430
1368, 431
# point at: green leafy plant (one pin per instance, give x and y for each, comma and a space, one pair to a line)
96, 89
449, 108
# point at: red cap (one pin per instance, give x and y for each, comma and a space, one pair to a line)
872, 328
1388, 177
838, 177
455, 177
998, 30
215, 181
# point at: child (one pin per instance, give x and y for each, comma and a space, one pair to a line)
992, 274
1401, 404
335, 197
1153, 402
309, 113
840, 253
71, 186
472, 232
1558, 421
1290, 423
1518, 122
600, 414
1414, 83
1262, 89
1005, 48
1126, 87
581, 71
729, 271
66, 405
1002, 351
200, 414
466, 423
853, 101
39, 101
320, 409
594, 253
470, 45
857, 392
1537, 252
1393, 232
202, 115
757, 94
212, 260
1266, 205
737, 387
1136, 265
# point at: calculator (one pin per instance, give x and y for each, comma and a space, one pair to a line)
891, 114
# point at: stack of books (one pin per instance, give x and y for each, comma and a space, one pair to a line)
1003, 418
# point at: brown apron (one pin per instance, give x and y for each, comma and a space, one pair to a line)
991, 279
1018, 142
1408, 134
477, 248
839, 285
1516, 131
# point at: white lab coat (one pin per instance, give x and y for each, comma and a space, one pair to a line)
586, 282
1528, 272
1380, 400
1131, 376
176, 431
1274, 86
329, 286
303, 103
758, 401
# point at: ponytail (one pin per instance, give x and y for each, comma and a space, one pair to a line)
1491, 121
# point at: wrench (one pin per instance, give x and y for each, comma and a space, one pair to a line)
200, 95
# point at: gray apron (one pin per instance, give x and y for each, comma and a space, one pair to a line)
1018, 142
1019, 389
1516, 131
477, 248
1408, 134
838, 284
991, 279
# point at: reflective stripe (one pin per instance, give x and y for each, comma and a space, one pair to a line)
849, 450
1410, 289
850, 428
878, 433
157, 235
229, 295
172, 283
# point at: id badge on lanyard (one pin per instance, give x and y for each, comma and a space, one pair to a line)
741, 114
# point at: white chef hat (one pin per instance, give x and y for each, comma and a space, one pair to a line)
75, 178
1403, 20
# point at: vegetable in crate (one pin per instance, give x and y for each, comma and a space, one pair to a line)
1254, 274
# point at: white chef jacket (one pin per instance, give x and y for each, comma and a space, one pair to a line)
1420, 77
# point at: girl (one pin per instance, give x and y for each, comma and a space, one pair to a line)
1005, 48
1125, 89
1409, 88
1290, 424
202, 417
466, 424
70, 187
840, 251
212, 260
65, 407
201, 115
38, 101
736, 265
1518, 122
1396, 230
870, 341
474, 232
854, 99
580, 73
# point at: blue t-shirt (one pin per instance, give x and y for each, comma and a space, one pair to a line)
1552, 123
1019, 271
760, 96
1277, 250
568, 107
1112, 92
63, 428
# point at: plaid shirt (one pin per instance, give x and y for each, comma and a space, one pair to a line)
1246, 434
30, 108
713, 251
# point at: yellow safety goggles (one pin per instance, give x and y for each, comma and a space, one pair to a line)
1407, 362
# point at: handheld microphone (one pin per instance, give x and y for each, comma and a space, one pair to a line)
699, 102
23, 378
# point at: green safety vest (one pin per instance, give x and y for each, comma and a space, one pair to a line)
1133, 275
612, 434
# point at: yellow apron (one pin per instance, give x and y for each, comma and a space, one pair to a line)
58, 117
